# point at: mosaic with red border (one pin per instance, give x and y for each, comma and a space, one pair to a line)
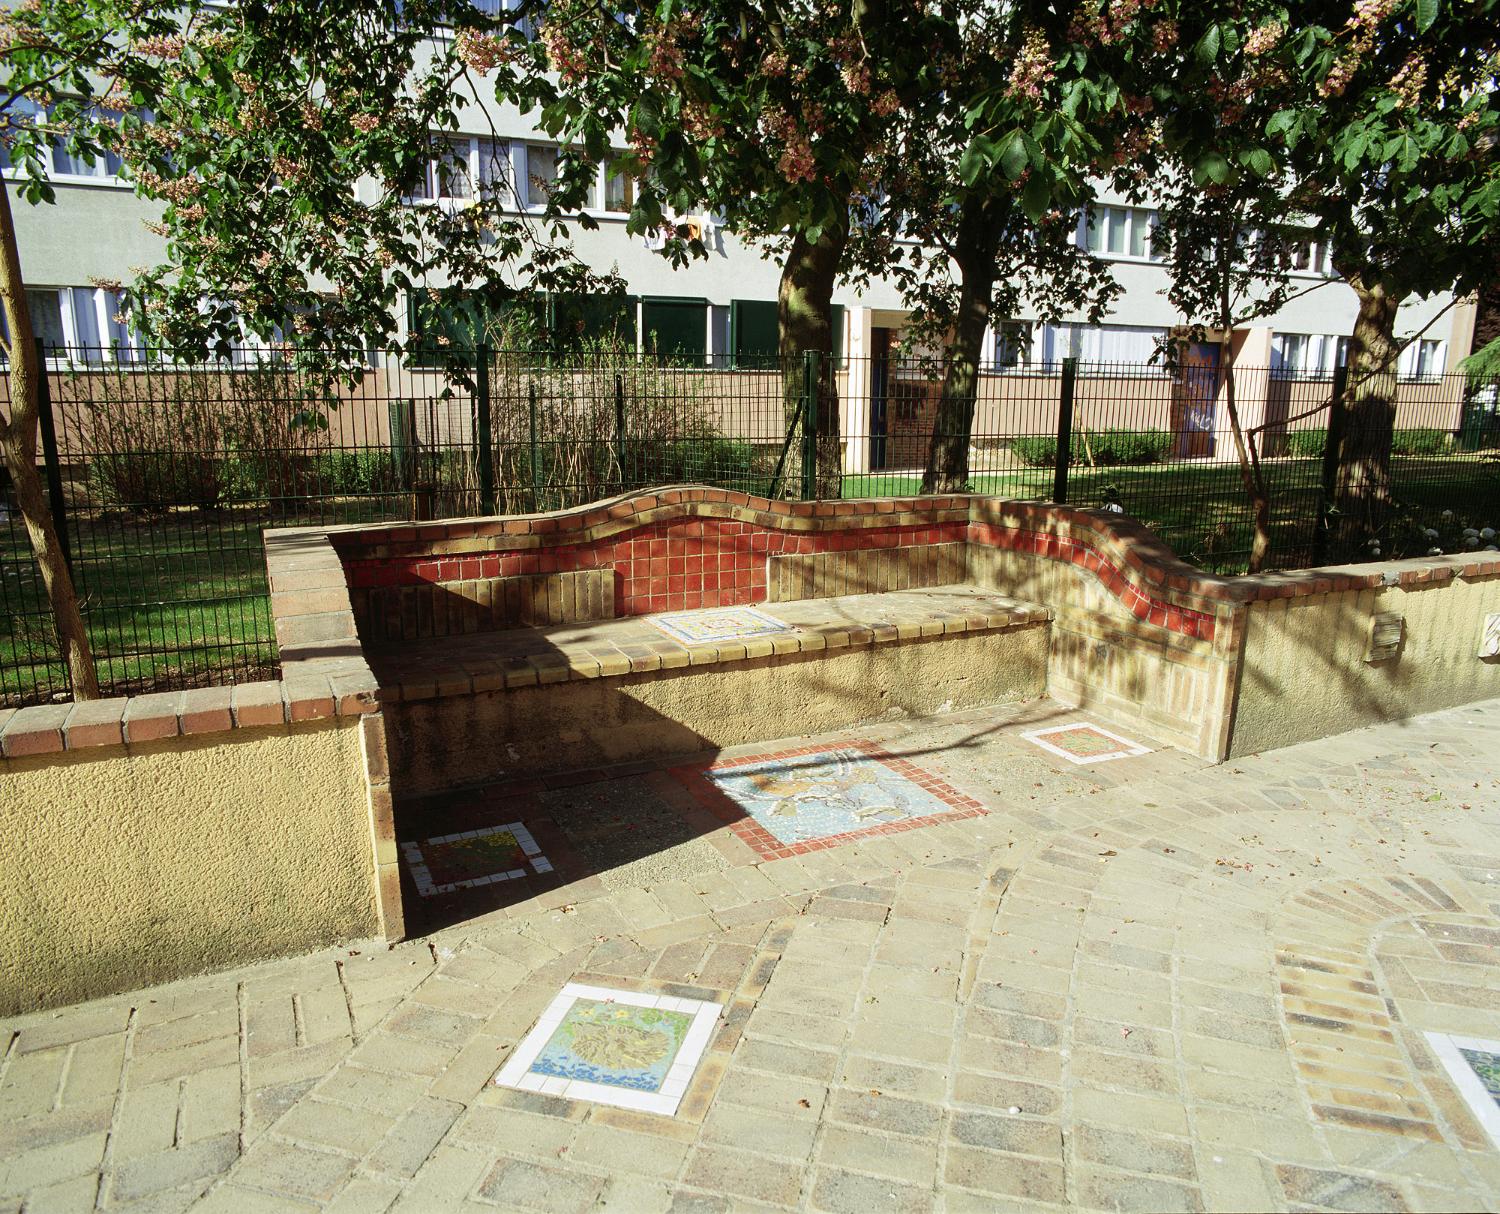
790, 802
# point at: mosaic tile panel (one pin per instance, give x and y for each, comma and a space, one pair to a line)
470, 858
795, 801
1084, 743
626, 1048
719, 624
1474, 1066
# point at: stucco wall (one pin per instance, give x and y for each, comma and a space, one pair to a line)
128, 865
1305, 674
458, 740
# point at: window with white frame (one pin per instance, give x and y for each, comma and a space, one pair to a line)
1131, 344
1307, 355
1012, 349
541, 173
1422, 360
619, 189
58, 163
1313, 257
83, 324
458, 161
1123, 232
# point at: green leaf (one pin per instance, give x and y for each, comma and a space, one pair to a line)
1207, 49
1036, 196
1259, 162
975, 162
1013, 157
1212, 167
1427, 13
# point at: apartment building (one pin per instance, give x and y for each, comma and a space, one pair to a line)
722, 308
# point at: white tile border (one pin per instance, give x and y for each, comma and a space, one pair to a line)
516, 1073
1475, 1094
666, 622
1128, 749
422, 875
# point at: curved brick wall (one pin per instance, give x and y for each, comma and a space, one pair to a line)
701, 547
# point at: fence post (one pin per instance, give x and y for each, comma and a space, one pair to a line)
48, 427
810, 411
1328, 485
536, 469
482, 435
1064, 431
620, 427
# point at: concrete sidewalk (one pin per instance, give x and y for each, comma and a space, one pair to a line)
1136, 984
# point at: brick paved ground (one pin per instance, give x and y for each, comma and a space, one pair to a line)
1143, 984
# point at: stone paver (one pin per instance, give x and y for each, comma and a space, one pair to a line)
1142, 984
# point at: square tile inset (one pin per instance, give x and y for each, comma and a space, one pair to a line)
1474, 1066
625, 1048
719, 624
1083, 742
802, 800
471, 858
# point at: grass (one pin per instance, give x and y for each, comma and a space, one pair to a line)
180, 599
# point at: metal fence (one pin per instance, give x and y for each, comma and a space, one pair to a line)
164, 476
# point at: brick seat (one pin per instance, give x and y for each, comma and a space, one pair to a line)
525, 657
523, 701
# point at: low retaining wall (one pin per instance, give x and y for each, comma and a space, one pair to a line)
1308, 670
152, 837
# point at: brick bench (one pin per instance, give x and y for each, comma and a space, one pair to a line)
499, 647
485, 705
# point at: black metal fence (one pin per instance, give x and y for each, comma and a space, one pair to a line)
165, 475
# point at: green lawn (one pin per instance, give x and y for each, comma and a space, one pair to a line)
181, 600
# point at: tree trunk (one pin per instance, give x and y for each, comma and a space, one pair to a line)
1362, 493
18, 436
1250, 474
952, 428
805, 322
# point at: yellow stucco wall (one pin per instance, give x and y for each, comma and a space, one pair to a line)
127, 866
449, 742
1305, 674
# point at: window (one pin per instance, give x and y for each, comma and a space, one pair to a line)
541, 173
1117, 231
57, 161
458, 161
1313, 257
1422, 360
619, 189
79, 324
1135, 344
753, 333
1012, 345
1310, 355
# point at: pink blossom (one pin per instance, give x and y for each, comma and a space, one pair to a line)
1031, 69
1264, 38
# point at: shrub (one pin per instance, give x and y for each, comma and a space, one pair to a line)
1111, 448
1306, 444
1426, 441
145, 482
1098, 448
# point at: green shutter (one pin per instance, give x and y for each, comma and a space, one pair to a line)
442, 327
582, 318
675, 328
754, 332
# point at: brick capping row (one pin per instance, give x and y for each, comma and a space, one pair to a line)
87, 724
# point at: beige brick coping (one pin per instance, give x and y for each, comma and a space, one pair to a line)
496, 661
120, 720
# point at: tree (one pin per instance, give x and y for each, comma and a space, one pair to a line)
768, 113
988, 174
283, 139
1386, 117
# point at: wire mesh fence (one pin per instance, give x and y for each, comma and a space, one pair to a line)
167, 474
